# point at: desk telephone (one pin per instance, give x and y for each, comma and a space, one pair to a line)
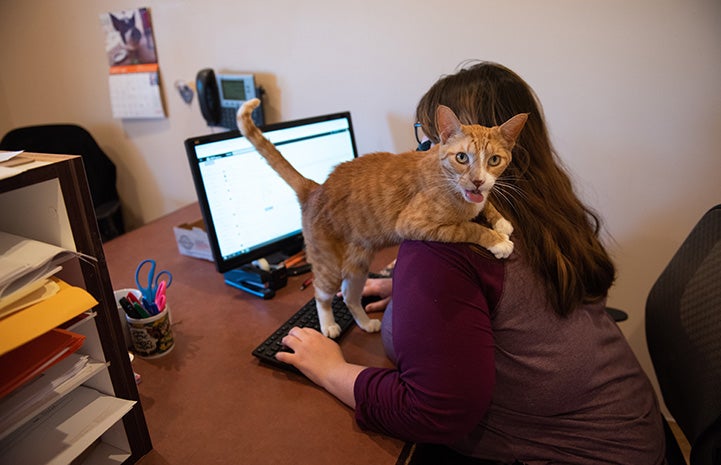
220, 96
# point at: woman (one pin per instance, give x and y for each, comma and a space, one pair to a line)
511, 359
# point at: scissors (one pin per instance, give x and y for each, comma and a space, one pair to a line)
160, 296
150, 290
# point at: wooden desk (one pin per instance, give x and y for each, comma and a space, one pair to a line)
209, 400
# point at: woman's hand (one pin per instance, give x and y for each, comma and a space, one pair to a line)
380, 287
314, 354
321, 360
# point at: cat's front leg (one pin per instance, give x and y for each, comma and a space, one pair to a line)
499, 223
503, 248
328, 325
498, 243
352, 288
503, 226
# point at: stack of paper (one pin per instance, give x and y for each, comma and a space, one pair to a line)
26, 266
30, 360
65, 430
24, 403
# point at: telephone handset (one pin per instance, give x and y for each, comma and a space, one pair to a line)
221, 95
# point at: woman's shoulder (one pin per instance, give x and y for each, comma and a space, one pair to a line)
454, 260
445, 251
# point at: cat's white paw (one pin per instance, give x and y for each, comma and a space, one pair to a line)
503, 226
371, 326
503, 249
332, 331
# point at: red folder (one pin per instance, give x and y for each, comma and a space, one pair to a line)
24, 363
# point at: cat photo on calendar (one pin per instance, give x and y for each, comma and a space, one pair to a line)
129, 37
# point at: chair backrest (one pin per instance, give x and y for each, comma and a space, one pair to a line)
69, 139
683, 332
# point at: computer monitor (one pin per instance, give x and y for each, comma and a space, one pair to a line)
249, 211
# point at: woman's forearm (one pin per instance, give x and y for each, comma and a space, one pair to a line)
341, 381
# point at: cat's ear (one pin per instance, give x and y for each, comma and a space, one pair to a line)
447, 123
117, 23
511, 129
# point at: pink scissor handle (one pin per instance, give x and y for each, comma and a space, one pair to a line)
160, 299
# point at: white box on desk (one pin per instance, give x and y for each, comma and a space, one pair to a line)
193, 240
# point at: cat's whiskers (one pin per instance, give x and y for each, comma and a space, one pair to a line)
512, 188
508, 192
446, 180
509, 188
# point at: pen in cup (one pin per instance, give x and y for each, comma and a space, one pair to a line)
138, 306
128, 308
150, 307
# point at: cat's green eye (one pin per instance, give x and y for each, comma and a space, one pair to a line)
495, 160
462, 158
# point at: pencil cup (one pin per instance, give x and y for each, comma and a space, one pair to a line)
119, 294
151, 337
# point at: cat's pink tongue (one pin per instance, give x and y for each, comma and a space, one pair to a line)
474, 197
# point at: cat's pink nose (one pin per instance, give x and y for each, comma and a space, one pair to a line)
478, 183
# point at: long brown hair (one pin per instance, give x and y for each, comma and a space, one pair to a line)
558, 232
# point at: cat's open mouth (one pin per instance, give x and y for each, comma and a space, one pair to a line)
474, 196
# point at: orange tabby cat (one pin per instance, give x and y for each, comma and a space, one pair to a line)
379, 199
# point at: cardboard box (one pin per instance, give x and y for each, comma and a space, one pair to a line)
192, 240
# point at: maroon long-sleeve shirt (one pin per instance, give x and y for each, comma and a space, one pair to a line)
485, 366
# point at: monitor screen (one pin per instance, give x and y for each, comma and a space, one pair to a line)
249, 211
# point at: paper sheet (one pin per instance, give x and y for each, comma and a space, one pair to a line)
5, 156
24, 261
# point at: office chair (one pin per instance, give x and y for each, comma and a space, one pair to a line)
683, 332
70, 139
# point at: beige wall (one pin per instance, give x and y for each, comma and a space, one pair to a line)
630, 88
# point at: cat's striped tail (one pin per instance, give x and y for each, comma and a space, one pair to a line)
299, 183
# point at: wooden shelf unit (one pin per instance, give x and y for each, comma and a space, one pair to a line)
51, 202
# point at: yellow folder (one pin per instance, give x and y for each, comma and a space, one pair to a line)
27, 324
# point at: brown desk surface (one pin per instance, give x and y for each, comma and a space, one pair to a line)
209, 401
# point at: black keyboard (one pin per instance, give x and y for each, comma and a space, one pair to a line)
306, 317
